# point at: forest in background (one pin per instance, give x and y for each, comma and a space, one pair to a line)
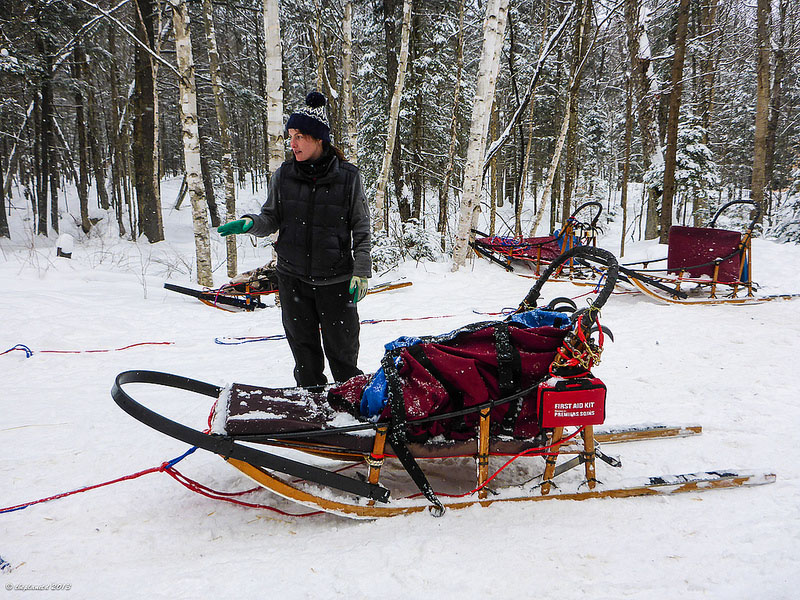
447, 107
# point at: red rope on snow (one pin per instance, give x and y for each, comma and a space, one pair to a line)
168, 468
106, 350
78, 491
29, 352
163, 467
226, 496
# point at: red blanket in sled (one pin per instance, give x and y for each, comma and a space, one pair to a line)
450, 373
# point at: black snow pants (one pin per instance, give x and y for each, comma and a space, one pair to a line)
306, 310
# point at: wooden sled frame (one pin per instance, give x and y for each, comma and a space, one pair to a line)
366, 497
677, 285
514, 251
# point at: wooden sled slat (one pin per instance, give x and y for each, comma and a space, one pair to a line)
645, 432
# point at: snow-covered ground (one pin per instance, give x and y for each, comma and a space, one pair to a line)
729, 368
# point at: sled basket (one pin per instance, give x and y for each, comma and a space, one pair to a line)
537, 252
705, 265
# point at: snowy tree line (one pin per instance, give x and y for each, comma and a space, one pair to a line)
695, 99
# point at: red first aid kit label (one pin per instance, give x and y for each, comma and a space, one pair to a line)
566, 407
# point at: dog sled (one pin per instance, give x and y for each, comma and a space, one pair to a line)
430, 428
245, 291
704, 265
536, 252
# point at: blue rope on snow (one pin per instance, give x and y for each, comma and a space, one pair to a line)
28, 351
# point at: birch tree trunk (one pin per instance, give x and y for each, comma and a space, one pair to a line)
493, 191
673, 120
381, 221
551, 174
393, 36
191, 140
775, 101
579, 50
224, 132
494, 26
762, 104
274, 85
645, 90
626, 165
351, 134
444, 190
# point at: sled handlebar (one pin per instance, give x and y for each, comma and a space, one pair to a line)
582, 254
593, 222
755, 207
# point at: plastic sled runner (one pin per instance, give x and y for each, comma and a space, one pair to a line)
498, 411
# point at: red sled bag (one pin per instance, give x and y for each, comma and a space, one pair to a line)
571, 402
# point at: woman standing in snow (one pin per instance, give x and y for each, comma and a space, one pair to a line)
316, 203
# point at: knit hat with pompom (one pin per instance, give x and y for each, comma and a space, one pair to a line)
311, 119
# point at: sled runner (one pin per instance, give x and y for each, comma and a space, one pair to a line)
705, 265
537, 252
244, 291
518, 390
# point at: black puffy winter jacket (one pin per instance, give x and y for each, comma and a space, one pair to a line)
322, 219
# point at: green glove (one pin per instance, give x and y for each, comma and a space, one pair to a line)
358, 287
235, 227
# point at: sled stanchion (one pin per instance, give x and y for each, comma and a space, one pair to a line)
589, 454
376, 457
550, 461
482, 458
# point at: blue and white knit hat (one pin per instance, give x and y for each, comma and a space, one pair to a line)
311, 118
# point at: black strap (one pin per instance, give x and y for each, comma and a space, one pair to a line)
509, 374
397, 429
413, 469
505, 359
